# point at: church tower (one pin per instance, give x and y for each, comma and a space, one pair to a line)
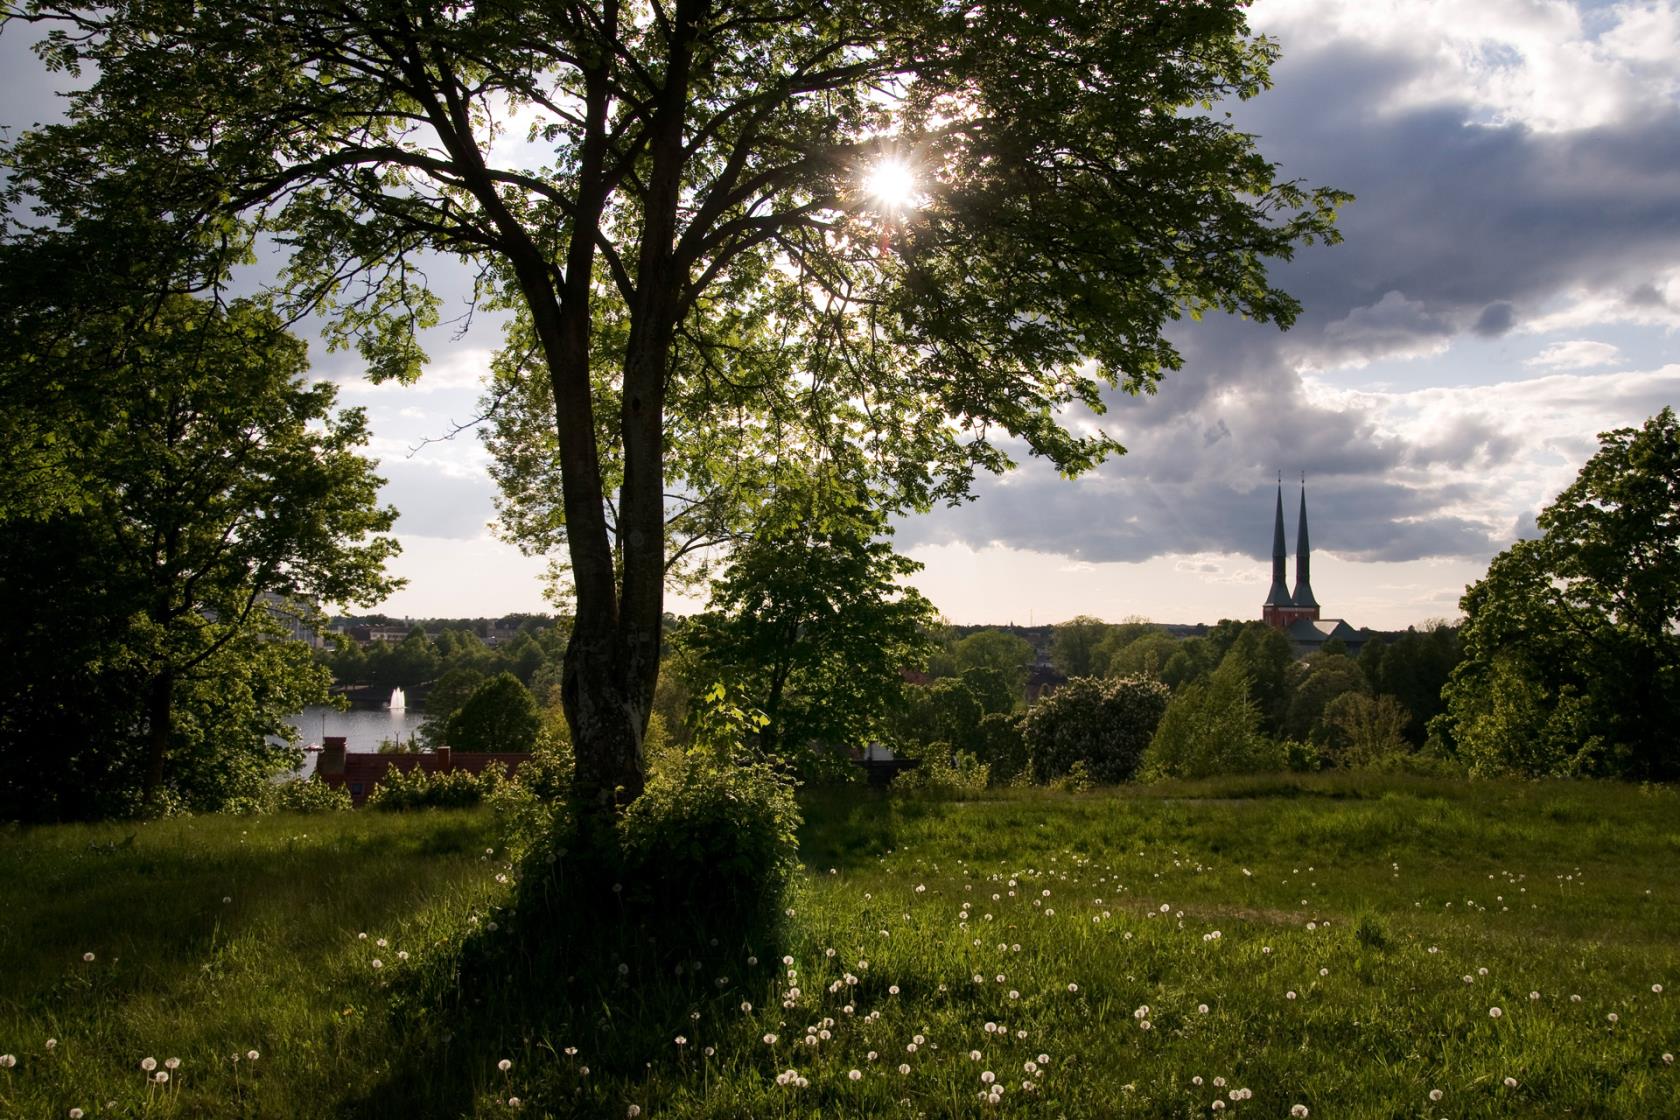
1305, 605
1276, 611
1283, 609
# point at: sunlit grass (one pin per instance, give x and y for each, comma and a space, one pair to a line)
1037, 930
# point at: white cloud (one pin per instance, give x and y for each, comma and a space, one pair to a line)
1393, 327
1576, 353
1537, 63
1655, 303
452, 367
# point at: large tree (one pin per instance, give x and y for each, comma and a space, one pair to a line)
210, 499
669, 195
1571, 642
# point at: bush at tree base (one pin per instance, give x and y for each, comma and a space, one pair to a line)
713, 840
1104, 723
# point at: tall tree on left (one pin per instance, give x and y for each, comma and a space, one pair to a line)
186, 497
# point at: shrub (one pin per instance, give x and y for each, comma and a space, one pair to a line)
452, 789
531, 806
1212, 727
945, 771
296, 795
310, 795
1104, 723
712, 839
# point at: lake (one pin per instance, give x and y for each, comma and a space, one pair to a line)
363, 728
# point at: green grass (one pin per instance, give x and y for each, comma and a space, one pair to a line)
1371, 898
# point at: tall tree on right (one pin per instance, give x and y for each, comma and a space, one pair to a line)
1571, 650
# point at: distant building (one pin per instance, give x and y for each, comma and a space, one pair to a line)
1296, 612
360, 772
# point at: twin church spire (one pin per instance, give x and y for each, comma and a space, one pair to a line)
1283, 607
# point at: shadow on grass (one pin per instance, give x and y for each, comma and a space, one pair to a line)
847, 826
582, 983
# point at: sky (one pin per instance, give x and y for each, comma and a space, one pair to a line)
1508, 287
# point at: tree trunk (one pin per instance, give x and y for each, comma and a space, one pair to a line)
160, 717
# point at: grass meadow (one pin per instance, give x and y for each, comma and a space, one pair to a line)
1330, 946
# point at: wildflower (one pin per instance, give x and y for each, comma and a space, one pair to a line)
1218, 1105
52, 1043
402, 954
172, 1063
634, 1110
148, 1064
76, 1114
1668, 1059
1533, 996
7, 1061
87, 957
1201, 1009
252, 1055
378, 964
1289, 995
872, 1055
514, 1102
1013, 994
1435, 1094
855, 1075
1494, 1013
1574, 999
987, 1077
1613, 1017
1073, 987
1044, 1059
904, 1069
161, 1077
1510, 1083
382, 943
1298, 1110
504, 1065
892, 990
680, 1040
974, 1055
571, 1051
770, 1039
1656, 989
1219, 1083
1143, 1024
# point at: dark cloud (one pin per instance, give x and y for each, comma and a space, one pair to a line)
1496, 319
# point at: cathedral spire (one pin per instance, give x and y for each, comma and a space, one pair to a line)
1279, 595
1303, 596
